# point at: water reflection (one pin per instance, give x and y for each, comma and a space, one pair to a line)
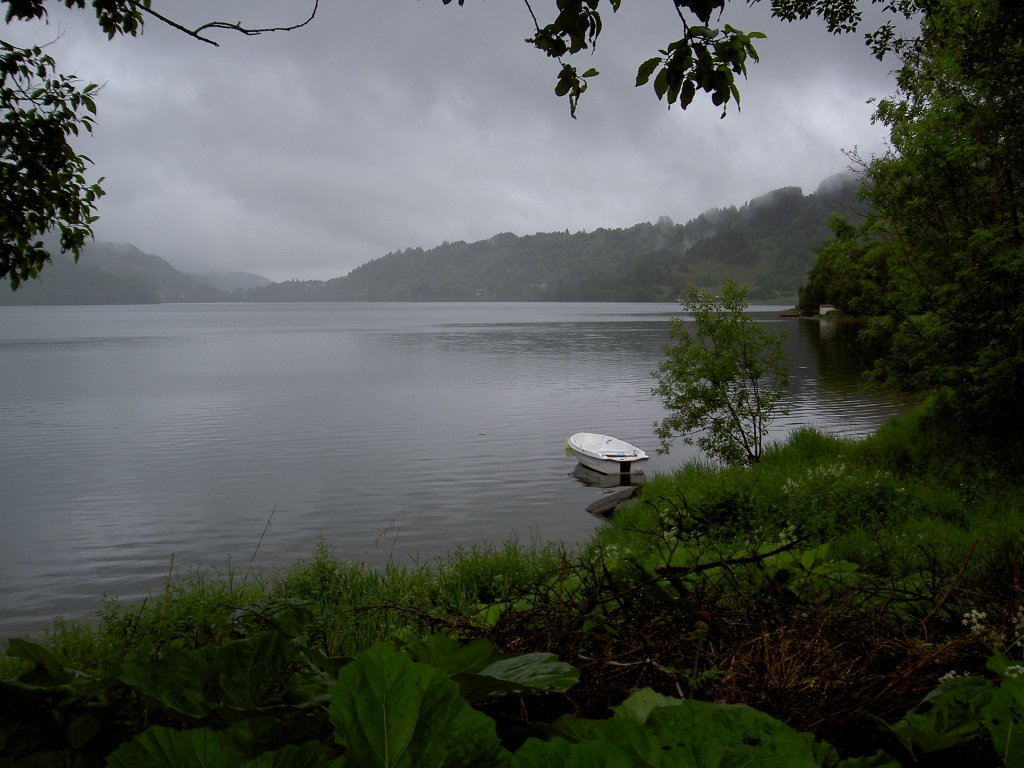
592, 479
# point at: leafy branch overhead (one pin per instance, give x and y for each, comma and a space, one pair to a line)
710, 54
42, 178
43, 189
705, 58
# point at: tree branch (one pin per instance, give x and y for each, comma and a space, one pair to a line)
747, 560
197, 33
536, 24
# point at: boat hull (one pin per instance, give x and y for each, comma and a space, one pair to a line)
609, 467
587, 476
607, 455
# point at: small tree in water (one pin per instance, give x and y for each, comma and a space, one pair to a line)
724, 382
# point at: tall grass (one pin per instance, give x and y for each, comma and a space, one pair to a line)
354, 606
348, 605
194, 609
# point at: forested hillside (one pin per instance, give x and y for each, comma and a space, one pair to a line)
111, 273
767, 244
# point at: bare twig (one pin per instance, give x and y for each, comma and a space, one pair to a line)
260, 542
684, 569
197, 33
945, 596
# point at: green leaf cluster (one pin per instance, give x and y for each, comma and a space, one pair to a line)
705, 58
722, 383
43, 187
966, 709
115, 17
42, 178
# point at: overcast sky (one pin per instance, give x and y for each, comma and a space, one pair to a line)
386, 125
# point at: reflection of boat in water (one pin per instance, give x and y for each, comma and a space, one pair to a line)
607, 455
594, 479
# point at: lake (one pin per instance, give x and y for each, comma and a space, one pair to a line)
132, 438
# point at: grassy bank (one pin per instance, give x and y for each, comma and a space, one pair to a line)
831, 588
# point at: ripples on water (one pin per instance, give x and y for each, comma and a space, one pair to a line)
134, 435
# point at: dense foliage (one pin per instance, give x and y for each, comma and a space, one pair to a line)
939, 265
724, 381
42, 178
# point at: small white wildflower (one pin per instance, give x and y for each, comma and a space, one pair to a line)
949, 676
974, 619
1018, 622
1014, 670
787, 534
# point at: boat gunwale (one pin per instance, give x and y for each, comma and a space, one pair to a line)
576, 443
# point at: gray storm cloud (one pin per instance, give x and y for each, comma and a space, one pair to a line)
384, 126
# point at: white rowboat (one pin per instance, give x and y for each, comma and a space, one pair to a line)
607, 455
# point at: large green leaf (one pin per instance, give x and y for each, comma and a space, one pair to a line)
453, 657
313, 754
536, 671
483, 672
1004, 719
641, 703
949, 716
242, 675
661, 732
46, 670
559, 753
161, 747
176, 683
390, 711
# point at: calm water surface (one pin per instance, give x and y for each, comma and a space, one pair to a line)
131, 436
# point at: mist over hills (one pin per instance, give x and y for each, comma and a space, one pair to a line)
767, 244
120, 273
230, 281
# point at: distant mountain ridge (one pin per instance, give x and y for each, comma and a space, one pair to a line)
111, 273
767, 244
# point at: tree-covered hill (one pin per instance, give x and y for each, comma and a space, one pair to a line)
111, 273
767, 244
